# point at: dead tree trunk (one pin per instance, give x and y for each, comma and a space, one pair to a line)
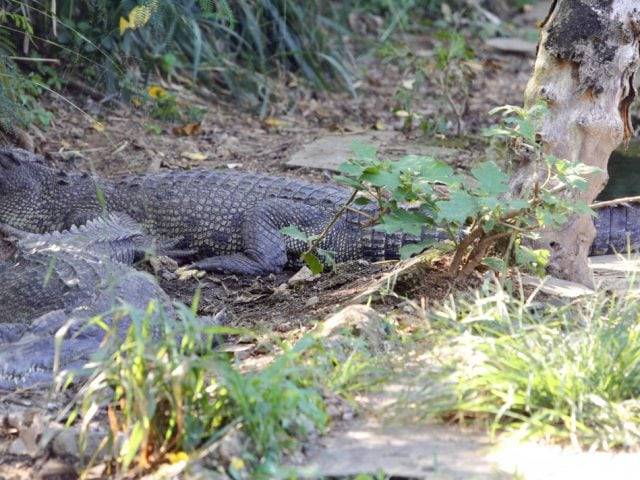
587, 57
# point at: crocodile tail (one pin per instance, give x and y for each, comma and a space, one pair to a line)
617, 229
379, 245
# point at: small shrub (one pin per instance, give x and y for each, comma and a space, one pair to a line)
487, 223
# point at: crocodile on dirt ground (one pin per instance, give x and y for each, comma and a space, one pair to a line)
233, 219
62, 280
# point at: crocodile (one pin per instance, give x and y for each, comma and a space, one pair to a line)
232, 219
61, 280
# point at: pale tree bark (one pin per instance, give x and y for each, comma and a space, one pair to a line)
587, 56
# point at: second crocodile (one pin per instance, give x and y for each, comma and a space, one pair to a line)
60, 281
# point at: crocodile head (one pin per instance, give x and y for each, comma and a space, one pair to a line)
23, 180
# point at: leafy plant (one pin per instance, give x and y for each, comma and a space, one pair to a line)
168, 392
235, 47
487, 223
448, 69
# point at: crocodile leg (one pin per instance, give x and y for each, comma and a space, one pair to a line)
264, 249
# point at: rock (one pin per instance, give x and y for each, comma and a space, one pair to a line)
17, 418
19, 447
312, 302
327, 153
66, 443
55, 469
512, 45
231, 446
303, 275
357, 320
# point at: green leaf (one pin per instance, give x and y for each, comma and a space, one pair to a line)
534, 260
294, 232
495, 263
349, 182
437, 171
516, 204
411, 249
387, 180
132, 444
491, 179
403, 221
458, 208
351, 169
363, 151
313, 262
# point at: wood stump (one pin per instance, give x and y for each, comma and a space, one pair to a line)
588, 54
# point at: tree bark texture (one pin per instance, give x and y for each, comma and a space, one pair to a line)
588, 54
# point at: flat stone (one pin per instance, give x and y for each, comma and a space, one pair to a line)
327, 153
512, 45
610, 272
616, 272
421, 451
557, 286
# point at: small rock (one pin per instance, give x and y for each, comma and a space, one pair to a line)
17, 418
19, 447
76, 132
312, 302
358, 320
55, 469
232, 445
70, 155
303, 275
67, 443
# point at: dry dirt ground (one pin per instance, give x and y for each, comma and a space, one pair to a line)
128, 140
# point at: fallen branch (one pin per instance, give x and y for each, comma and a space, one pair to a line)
615, 202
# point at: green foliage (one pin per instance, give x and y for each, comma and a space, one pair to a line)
234, 47
567, 374
483, 217
448, 69
168, 392
18, 93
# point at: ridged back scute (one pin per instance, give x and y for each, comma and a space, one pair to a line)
112, 236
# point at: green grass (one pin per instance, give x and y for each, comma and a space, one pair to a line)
562, 374
166, 392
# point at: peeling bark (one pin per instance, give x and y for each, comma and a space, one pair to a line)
588, 54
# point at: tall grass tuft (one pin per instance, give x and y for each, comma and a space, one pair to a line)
231, 47
560, 373
168, 393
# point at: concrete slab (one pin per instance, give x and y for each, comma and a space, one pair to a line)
436, 452
327, 153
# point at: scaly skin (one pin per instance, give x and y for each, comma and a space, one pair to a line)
233, 219
65, 279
